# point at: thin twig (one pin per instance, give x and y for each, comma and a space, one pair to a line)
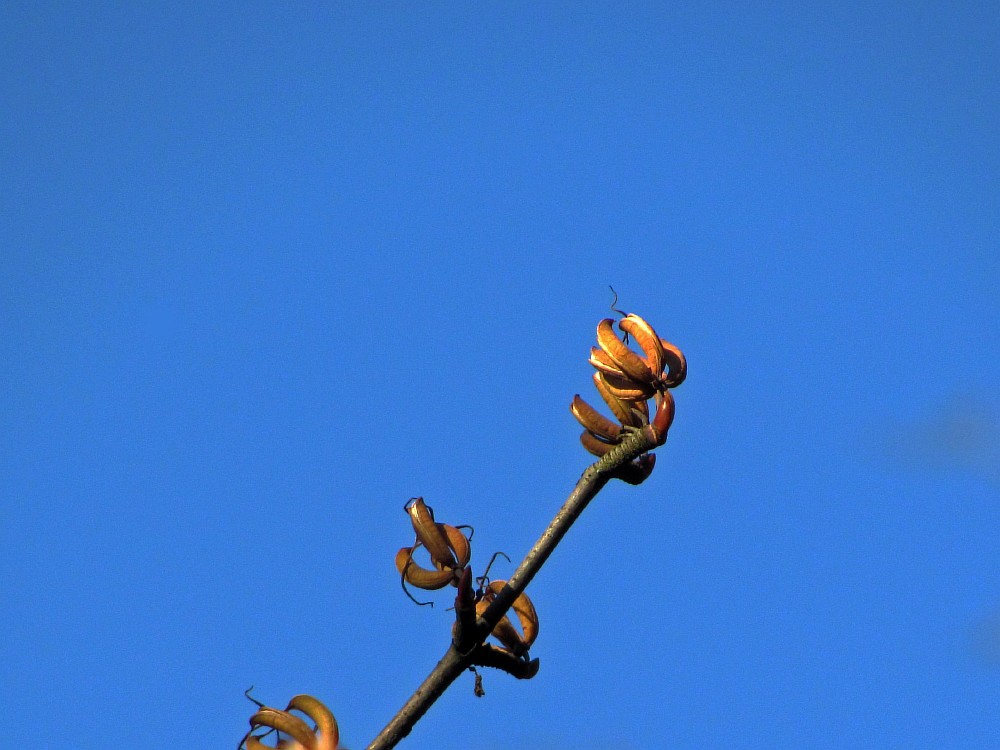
454, 662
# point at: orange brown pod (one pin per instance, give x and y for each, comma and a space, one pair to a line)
595, 422
424, 578
595, 446
628, 372
633, 367
603, 363
325, 735
515, 642
621, 408
647, 339
429, 533
626, 389
676, 364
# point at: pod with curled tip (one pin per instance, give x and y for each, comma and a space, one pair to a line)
283, 722
422, 578
527, 617
326, 724
676, 364
432, 580
664, 416
525, 611
593, 420
622, 410
647, 340
594, 445
631, 364
429, 533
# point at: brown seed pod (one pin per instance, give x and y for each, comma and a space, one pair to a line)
325, 736
676, 364
429, 533
664, 415
631, 364
594, 445
621, 409
423, 578
647, 340
595, 422
515, 642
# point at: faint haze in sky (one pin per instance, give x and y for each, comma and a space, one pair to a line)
959, 433
957, 436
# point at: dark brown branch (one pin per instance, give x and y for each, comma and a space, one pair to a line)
454, 662
465, 614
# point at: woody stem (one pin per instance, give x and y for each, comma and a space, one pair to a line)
454, 662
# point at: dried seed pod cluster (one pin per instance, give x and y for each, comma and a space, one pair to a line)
447, 546
626, 382
450, 552
325, 735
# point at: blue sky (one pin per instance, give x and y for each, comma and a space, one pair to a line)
269, 270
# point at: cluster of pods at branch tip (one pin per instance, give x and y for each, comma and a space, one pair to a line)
626, 382
447, 546
325, 735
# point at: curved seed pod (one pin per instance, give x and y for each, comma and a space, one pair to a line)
638, 471
432, 580
664, 415
628, 390
253, 743
515, 642
647, 340
600, 360
630, 363
593, 420
329, 737
459, 544
676, 364
525, 612
428, 533
504, 631
287, 723
619, 409
422, 578
594, 445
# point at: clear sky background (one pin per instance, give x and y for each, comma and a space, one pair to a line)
267, 270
